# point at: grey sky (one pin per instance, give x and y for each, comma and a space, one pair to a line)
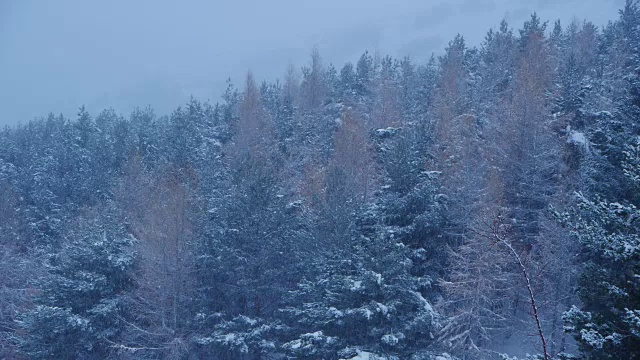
58, 55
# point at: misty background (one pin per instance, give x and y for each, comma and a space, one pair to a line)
56, 56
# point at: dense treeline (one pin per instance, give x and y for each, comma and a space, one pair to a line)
385, 210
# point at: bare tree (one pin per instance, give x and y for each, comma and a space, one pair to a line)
254, 130
313, 87
159, 208
18, 268
291, 86
352, 154
386, 107
478, 298
498, 234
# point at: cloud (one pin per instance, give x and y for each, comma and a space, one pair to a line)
477, 7
56, 56
436, 15
422, 47
341, 45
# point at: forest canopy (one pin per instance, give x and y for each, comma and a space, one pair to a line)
480, 205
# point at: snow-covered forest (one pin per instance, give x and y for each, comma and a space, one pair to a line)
481, 205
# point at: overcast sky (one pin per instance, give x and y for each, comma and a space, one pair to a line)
58, 55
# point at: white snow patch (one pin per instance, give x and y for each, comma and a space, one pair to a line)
444, 356
384, 309
432, 173
364, 355
335, 312
603, 114
294, 205
248, 320
205, 340
390, 339
577, 138
357, 285
367, 313
378, 278
314, 335
424, 302
386, 132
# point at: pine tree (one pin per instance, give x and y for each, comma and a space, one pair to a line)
607, 326
361, 297
80, 305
